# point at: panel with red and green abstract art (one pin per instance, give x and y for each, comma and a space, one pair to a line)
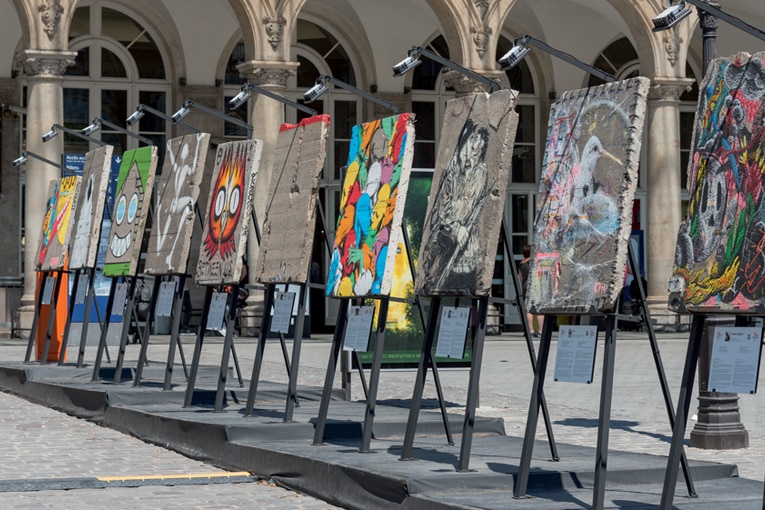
720, 253
372, 207
131, 208
584, 213
229, 208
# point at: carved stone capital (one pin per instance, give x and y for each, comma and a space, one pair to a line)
464, 85
267, 74
274, 27
46, 63
668, 89
50, 16
708, 21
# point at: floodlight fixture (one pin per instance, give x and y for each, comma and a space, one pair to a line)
676, 12
320, 87
55, 128
98, 123
142, 109
245, 94
520, 50
413, 60
27, 154
189, 104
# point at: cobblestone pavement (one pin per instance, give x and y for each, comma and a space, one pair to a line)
639, 420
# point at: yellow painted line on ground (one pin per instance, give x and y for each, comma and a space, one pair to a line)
172, 477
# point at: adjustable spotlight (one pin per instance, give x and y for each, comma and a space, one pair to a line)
136, 115
413, 60
242, 97
670, 16
319, 88
21, 159
181, 114
92, 128
248, 88
520, 50
410, 62
50, 134
143, 109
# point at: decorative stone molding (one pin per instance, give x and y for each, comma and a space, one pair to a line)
707, 20
50, 15
668, 89
267, 74
274, 26
48, 63
481, 34
672, 43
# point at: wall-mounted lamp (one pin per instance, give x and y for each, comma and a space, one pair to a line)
188, 104
55, 128
673, 14
413, 60
320, 87
29, 154
520, 50
142, 109
99, 122
244, 95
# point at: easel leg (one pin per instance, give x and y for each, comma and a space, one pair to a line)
175, 337
337, 343
374, 378
419, 385
265, 327
604, 420
681, 416
68, 324
144, 351
52, 317
104, 330
537, 390
228, 348
89, 299
297, 343
127, 317
35, 323
198, 349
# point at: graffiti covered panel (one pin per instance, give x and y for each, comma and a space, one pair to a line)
47, 224
229, 206
719, 262
459, 241
132, 198
288, 229
371, 207
59, 231
177, 193
89, 214
584, 213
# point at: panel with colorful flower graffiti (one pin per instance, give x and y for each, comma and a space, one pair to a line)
131, 208
584, 214
372, 207
720, 252
60, 232
229, 206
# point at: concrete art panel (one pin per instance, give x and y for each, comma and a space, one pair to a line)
177, 194
290, 221
720, 253
372, 207
132, 198
47, 224
584, 213
229, 208
58, 230
89, 214
459, 241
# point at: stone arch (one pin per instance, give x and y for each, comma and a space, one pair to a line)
449, 14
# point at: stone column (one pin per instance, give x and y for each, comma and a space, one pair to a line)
663, 182
267, 115
44, 70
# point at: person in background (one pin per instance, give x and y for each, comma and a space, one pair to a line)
523, 274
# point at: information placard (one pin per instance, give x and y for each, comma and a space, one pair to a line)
575, 356
217, 311
452, 332
358, 329
120, 296
47, 297
165, 299
280, 323
735, 362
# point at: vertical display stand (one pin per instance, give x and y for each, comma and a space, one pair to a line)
228, 347
104, 330
35, 320
175, 337
132, 317
604, 417
89, 300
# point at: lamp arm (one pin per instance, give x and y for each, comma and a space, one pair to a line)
493, 85
44, 160
362, 93
166, 117
732, 20
283, 100
189, 103
527, 39
76, 133
121, 129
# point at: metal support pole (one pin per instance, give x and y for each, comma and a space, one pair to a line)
374, 378
198, 349
89, 300
604, 418
228, 348
681, 416
51, 317
104, 330
35, 323
126, 318
265, 327
175, 335
144, 351
292, 368
72, 299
